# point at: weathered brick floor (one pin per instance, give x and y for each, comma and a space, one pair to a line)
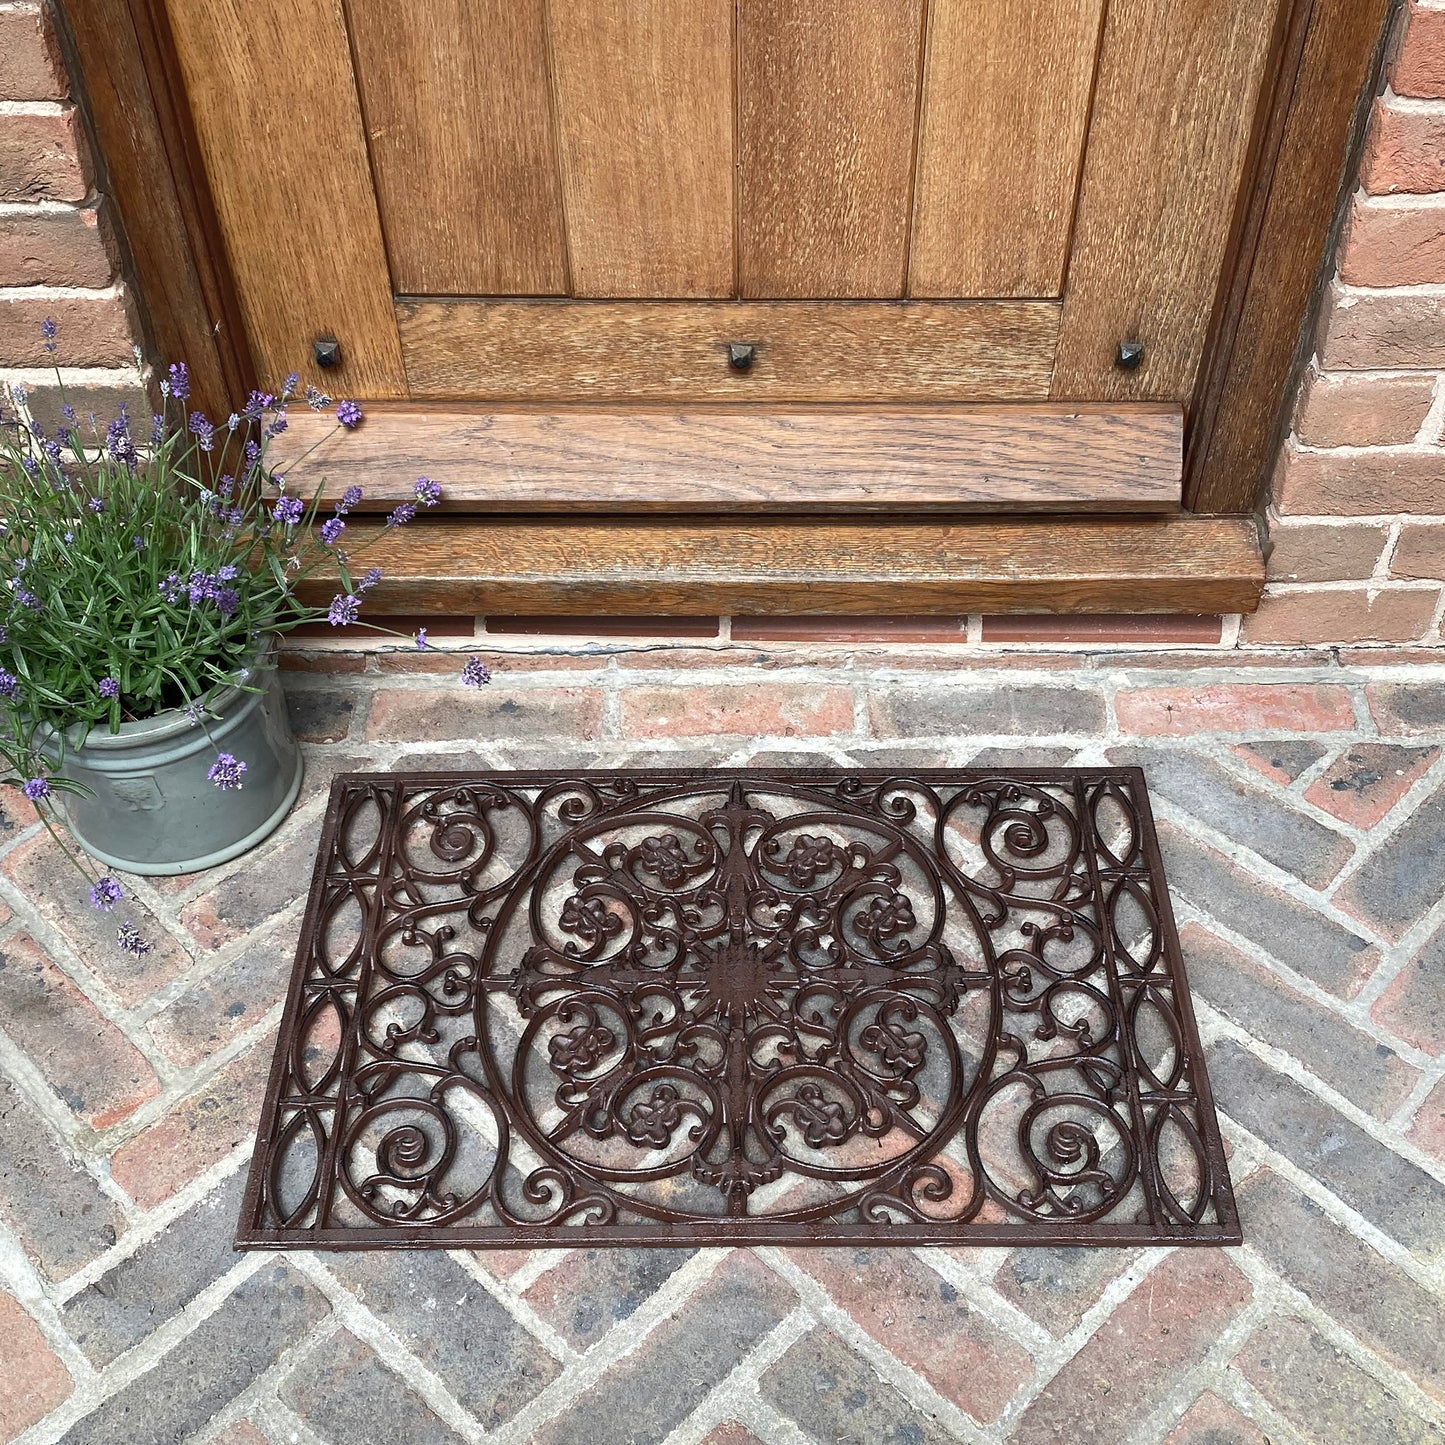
1303, 813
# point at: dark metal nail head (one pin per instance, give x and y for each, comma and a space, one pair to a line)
741, 355
1131, 356
327, 352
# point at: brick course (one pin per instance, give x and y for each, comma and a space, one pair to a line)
1405, 153
1341, 410
30, 63
1351, 614
1395, 242
1419, 67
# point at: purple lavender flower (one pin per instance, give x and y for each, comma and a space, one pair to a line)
317, 399
256, 403
331, 531
27, 599
203, 431
36, 789
32, 467
128, 937
476, 672
401, 514
9, 685
227, 601
428, 492
170, 587
226, 772
344, 609
372, 577
109, 687
67, 412
200, 588
253, 453
288, 510
48, 329
350, 498
288, 387
228, 573
69, 538
180, 380
421, 639
105, 893
118, 440
158, 429
348, 413
138, 542
96, 505
277, 426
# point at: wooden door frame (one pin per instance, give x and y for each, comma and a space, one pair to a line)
1324, 63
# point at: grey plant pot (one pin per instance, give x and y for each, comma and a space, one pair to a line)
154, 811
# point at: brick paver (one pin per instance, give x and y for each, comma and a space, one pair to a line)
1302, 819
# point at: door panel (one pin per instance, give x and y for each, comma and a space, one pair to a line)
291, 183
458, 115
1002, 79
964, 201
828, 97
1176, 98
676, 351
645, 108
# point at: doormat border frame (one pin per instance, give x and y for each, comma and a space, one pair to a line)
754, 1231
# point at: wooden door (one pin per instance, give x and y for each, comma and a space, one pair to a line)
563, 201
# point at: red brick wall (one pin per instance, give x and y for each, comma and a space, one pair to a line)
1358, 507
57, 255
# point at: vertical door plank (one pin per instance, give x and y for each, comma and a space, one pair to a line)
645, 111
458, 112
827, 96
1174, 111
1006, 93
270, 87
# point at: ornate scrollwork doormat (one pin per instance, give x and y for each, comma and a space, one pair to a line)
537, 1008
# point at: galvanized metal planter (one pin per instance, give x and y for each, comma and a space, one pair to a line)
533, 1009
155, 812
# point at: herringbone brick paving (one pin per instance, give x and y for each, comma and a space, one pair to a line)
1302, 811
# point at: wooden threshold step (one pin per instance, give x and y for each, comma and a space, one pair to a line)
630, 459
1179, 564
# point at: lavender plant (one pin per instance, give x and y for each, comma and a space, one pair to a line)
145, 570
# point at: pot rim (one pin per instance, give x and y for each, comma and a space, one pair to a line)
173, 722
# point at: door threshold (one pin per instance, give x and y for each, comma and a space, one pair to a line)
814, 566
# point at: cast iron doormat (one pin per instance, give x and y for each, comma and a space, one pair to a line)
536, 1008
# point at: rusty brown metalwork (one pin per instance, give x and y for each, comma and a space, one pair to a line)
722, 1007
